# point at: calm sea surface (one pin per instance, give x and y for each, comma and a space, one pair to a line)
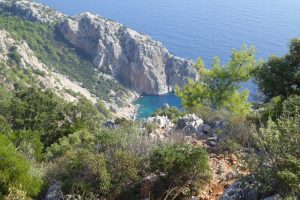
205, 28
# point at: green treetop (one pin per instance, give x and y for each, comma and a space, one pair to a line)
219, 87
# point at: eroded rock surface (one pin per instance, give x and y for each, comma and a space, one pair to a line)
31, 11
137, 61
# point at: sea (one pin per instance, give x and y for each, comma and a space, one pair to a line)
199, 28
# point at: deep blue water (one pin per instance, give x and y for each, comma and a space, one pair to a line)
206, 28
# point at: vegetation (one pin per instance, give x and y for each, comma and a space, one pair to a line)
50, 47
44, 139
186, 169
219, 87
279, 143
281, 76
271, 131
172, 113
14, 171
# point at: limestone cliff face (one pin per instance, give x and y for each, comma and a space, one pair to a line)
31, 11
137, 61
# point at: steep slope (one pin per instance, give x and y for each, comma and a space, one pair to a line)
59, 58
137, 61
31, 11
18, 58
109, 61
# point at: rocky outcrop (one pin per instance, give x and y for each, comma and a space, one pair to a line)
191, 125
137, 61
161, 121
47, 78
244, 190
27, 61
31, 11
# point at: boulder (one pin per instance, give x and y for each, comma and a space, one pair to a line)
191, 125
206, 128
212, 141
110, 124
234, 192
166, 106
161, 122
250, 193
54, 192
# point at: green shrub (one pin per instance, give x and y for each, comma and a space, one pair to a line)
14, 55
150, 127
279, 161
39, 72
47, 115
124, 170
186, 168
29, 143
172, 113
14, 170
81, 139
102, 109
83, 171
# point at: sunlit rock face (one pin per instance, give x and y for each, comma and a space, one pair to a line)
137, 61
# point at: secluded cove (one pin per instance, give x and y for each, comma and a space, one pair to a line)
148, 104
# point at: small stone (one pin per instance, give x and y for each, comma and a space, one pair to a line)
152, 136
274, 197
110, 124
54, 192
206, 128
166, 106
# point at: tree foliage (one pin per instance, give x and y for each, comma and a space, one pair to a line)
219, 87
48, 115
280, 76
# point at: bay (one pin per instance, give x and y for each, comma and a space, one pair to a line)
200, 28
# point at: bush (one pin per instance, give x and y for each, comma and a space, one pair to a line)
279, 161
124, 170
29, 143
79, 140
14, 170
172, 113
16, 194
124, 151
186, 169
81, 172
14, 55
238, 134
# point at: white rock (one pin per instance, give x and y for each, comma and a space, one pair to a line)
191, 124
161, 121
137, 61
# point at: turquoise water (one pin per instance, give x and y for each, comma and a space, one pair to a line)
203, 28
149, 104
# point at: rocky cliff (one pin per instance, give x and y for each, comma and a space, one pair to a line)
137, 61
31, 11
119, 54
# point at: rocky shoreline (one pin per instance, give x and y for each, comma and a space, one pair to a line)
142, 65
